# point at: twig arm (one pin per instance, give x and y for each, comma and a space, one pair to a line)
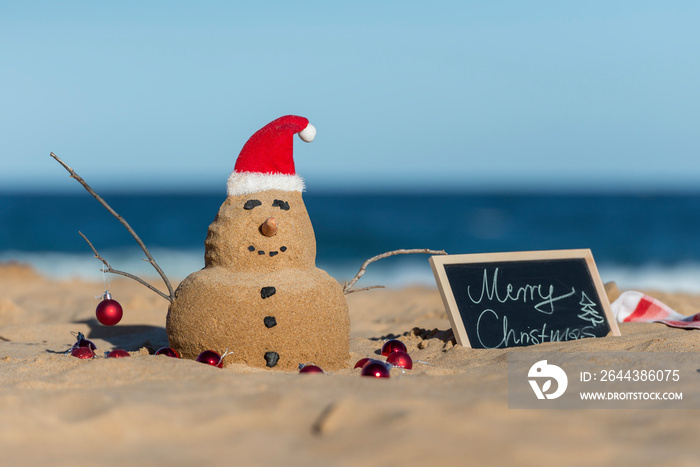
80, 180
347, 288
122, 273
364, 289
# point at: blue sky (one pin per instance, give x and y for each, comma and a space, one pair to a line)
467, 95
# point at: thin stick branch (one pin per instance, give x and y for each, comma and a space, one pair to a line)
122, 273
74, 175
364, 289
347, 288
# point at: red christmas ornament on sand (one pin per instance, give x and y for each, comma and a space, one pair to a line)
362, 362
400, 359
109, 312
392, 345
82, 352
82, 342
308, 368
118, 353
376, 369
211, 358
168, 351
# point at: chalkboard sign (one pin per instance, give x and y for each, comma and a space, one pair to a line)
498, 300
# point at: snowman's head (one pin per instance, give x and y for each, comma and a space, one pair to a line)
263, 231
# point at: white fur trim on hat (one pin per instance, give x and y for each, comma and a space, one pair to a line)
245, 183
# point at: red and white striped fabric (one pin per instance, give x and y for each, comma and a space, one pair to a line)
633, 306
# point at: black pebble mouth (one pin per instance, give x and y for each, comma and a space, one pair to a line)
282, 249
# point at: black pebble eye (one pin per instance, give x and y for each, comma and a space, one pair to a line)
251, 248
283, 205
251, 203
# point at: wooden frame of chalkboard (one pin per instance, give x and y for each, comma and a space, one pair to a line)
497, 300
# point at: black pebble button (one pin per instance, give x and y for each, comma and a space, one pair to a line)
267, 292
271, 358
283, 249
270, 321
273, 253
251, 248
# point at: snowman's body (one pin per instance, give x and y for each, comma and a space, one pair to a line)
261, 296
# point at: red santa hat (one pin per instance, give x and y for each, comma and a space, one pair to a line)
266, 161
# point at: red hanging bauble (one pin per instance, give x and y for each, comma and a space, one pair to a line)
168, 351
400, 359
375, 368
109, 312
392, 345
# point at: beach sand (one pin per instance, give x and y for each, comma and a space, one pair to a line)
152, 410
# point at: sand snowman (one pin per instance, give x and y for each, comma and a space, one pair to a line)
260, 294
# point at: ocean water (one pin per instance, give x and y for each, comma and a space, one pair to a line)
639, 241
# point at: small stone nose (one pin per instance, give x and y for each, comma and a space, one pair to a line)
269, 227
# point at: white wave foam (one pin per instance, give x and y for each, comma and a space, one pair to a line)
683, 277
670, 278
177, 264
392, 272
